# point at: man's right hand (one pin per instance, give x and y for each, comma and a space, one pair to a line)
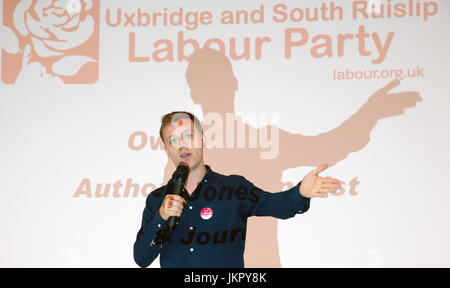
172, 206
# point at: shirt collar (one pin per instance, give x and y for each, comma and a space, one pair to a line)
208, 170
208, 174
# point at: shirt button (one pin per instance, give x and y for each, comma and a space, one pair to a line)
206, 180
159, 225
190, 207
192, 249
191, 228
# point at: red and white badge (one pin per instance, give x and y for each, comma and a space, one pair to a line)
206, 213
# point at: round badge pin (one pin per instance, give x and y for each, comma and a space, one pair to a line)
206, 213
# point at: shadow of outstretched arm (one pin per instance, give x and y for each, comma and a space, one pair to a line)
351, 136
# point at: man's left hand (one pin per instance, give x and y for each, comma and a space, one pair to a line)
314, 185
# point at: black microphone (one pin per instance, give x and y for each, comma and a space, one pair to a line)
179, 180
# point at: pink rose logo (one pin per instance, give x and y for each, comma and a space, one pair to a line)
57, 39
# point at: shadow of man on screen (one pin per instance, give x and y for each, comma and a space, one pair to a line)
213, 85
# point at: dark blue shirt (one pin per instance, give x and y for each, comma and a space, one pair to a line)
211, 229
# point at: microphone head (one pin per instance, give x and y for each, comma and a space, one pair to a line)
182, 171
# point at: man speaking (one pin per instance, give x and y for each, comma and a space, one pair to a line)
211, 209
